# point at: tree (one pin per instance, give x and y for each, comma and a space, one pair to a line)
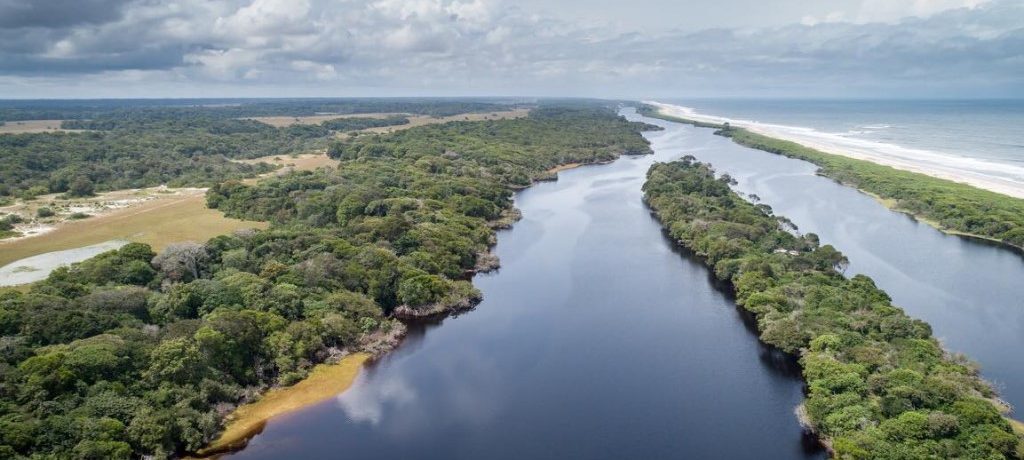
81, 186
182, 261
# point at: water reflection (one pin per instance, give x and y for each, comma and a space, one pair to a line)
596, 339
969, 291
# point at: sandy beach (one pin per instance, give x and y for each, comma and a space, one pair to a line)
983, 174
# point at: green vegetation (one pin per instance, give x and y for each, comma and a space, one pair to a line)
948, 205
144, 146
139, 154
880, 386
357, 123
132, 353
7, 223
241, 108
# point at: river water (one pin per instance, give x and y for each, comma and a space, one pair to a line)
971, 292
596, 339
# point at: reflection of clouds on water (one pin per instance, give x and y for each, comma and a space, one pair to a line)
393, 401
365, 403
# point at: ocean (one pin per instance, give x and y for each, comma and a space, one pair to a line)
983, 138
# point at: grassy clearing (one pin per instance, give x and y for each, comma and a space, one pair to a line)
323, 383
421, 120
31, 126
414, 120
301, 162
157, 222
283, 122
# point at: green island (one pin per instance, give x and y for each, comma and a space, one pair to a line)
134, 353
880, 385
947, 205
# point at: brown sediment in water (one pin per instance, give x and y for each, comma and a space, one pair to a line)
564, 167
324, 382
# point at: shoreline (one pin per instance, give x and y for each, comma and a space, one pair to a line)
248, 419
890, 203
324, 382
860, 150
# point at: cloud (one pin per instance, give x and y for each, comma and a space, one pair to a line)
322, 47
58, 13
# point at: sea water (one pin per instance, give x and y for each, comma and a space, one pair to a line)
982, 135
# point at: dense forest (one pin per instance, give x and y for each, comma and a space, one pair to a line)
880, 385
132, 147
241, 108
133, 353
949, 205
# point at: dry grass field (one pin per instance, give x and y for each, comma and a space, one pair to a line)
31, 126
157, 222
281, 122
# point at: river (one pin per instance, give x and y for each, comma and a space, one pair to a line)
599, 339
971, 292
596, 339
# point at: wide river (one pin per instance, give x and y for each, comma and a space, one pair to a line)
599, 339
595, 339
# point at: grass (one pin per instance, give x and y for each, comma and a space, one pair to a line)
323, 383
301, 162
949, 206
157, 222
31, 126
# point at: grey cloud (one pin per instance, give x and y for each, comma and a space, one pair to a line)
58, 13
490, 46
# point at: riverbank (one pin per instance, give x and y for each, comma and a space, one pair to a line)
952, 207
861, 355
324, 382
330, 380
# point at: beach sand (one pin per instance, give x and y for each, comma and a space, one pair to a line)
975, 172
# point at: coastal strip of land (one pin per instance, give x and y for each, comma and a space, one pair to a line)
949, 205
964, 171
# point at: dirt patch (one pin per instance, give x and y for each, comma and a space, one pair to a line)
32, 126
302, 162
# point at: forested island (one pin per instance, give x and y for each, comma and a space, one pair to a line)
944, 204
134, 353
880, 385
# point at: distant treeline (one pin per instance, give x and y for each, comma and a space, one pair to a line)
948, 205
241, 108
880, 386
132, 354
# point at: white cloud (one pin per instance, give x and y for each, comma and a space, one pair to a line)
491, 46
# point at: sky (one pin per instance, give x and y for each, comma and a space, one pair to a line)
594, 48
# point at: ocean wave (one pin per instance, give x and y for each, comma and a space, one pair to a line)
1003, 177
